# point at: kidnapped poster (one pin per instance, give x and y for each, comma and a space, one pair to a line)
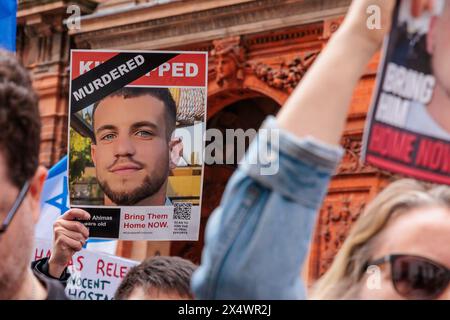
135, 142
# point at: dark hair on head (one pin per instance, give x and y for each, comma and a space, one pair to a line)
165, 274
162, 94
20, 123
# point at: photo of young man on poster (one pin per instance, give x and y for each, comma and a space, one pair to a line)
433, 118
134, 149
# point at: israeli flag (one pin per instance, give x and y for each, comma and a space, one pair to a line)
8, 11
55, 202
54, 199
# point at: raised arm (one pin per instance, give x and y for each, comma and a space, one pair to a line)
257, 239
319, 105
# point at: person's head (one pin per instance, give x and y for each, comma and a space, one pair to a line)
409, 219
438, 46
20, 130
158, 278
133, 150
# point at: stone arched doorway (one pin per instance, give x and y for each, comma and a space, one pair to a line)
247, 113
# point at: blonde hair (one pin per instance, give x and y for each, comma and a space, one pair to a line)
343, 279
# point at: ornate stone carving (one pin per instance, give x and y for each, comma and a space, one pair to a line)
351, 162
337, 216
288, 75
42, 40
249, 14
230, 59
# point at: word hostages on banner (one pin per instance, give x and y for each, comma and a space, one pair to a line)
94, 275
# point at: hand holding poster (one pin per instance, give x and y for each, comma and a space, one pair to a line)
94, 275
409, 129
130, 163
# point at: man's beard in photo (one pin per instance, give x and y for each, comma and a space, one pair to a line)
147, 189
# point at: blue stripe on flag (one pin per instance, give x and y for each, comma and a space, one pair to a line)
58, 168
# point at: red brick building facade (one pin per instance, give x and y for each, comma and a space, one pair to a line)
259, 50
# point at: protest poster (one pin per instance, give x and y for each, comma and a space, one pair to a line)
409, 123
137, 120
93, 275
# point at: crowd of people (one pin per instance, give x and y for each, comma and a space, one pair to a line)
402, 233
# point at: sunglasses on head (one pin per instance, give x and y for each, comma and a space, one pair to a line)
416, 278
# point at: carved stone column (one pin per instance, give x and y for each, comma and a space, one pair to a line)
43, 47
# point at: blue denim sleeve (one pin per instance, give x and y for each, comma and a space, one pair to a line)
257, 239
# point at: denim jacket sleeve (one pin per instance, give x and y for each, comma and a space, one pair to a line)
257, 239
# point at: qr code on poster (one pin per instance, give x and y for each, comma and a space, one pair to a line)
182, 211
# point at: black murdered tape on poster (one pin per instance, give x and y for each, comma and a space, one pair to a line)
112, 75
